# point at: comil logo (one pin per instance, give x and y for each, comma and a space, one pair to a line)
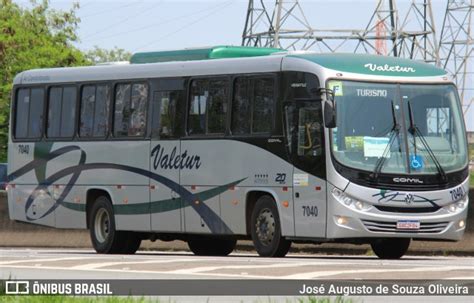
389, 68
407, 180
17, 287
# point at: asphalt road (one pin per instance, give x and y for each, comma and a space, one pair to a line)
23, 263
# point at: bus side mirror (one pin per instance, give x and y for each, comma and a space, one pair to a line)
329, 114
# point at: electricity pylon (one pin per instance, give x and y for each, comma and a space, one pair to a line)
456, 48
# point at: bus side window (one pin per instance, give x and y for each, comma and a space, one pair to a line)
35, 126
101, 111
208, 106
252, 105
241, 109
87, 111
95, 104
263, 103
68, 112
130, 110
138, 109
61, 112
54, 112
166, 101
22, 109
217, 107
29, 113
197, 108
121, 119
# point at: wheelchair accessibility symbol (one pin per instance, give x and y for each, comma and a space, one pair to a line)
416, 162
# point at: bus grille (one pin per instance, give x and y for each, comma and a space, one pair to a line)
392, 209
425, 227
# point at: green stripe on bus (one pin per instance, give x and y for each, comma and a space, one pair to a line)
158, 206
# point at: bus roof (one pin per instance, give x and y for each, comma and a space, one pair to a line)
368, 65
372, 64
215, 52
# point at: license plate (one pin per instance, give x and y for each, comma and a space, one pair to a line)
408, 224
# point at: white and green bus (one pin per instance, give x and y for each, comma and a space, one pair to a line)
214, 145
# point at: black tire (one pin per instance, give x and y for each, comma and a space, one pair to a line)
105, 238
390, 248
211, 246
131, 244
265, 229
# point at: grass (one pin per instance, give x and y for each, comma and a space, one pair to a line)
471, 181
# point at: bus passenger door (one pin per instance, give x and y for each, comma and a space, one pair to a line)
165, 204
305, 131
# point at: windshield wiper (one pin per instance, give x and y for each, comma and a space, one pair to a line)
414, 130
394, 132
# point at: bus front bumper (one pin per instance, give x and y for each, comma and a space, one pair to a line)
344, 223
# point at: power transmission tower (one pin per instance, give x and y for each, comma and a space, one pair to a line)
417, 36
284, 24
381, 33
275, 25
457, 48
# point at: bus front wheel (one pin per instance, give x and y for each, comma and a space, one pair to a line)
211, 246
266, 229
105, 238
390, 248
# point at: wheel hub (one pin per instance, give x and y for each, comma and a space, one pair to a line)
265, 226
102, 225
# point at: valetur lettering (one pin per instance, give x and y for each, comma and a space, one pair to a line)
173, 160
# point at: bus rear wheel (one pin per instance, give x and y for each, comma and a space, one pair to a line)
211, 246
105, 238
390, 248
266, 229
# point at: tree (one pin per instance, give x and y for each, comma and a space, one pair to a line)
100, 55
35, 37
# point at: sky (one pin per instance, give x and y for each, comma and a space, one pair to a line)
144, 25
150, 25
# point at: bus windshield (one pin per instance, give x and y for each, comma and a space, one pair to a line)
398, 128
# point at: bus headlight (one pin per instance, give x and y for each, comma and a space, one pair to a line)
350, 201
361, 205
347, 201
457, 206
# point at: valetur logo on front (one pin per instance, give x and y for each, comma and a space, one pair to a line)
389, 68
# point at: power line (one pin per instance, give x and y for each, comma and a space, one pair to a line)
82, 5
184, 27
148, 26
111, 9
125, 19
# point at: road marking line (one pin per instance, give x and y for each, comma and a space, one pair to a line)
138, 272
42, 260
100, 265
211, 268
460, 278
